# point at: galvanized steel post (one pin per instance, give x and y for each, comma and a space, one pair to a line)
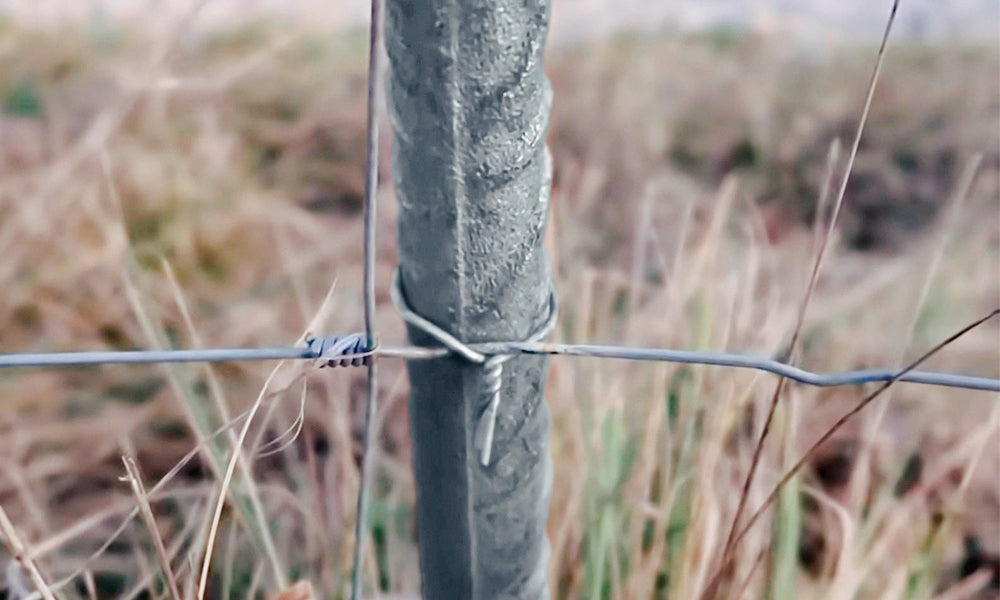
470, 106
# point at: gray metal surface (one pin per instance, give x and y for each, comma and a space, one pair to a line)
469, 105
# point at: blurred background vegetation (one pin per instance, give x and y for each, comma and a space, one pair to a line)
176, 180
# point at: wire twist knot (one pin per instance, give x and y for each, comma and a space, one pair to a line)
492, 363
345, 351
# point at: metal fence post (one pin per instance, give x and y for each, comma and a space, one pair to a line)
470, 105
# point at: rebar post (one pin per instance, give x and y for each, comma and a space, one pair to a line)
470, 106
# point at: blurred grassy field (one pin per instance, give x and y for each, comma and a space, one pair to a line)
164, 187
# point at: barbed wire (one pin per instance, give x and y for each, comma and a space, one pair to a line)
353, 349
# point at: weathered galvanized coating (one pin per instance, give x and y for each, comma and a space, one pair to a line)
470, 105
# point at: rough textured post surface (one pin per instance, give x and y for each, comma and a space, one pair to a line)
470, 105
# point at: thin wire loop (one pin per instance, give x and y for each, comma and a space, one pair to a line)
492, 361
447, 340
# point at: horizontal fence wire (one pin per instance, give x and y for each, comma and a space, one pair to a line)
318, 350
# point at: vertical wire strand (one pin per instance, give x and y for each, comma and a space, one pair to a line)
371, 188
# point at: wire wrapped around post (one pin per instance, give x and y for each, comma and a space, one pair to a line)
470, 105
491, 360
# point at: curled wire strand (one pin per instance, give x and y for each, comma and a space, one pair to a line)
487, 420
449, 341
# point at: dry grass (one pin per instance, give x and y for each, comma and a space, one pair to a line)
198, 187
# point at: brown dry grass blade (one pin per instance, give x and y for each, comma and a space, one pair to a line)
850, 414
792, 347
134, 478
23, 555
713, 584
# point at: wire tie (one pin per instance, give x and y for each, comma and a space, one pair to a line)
492, 362
341, 351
